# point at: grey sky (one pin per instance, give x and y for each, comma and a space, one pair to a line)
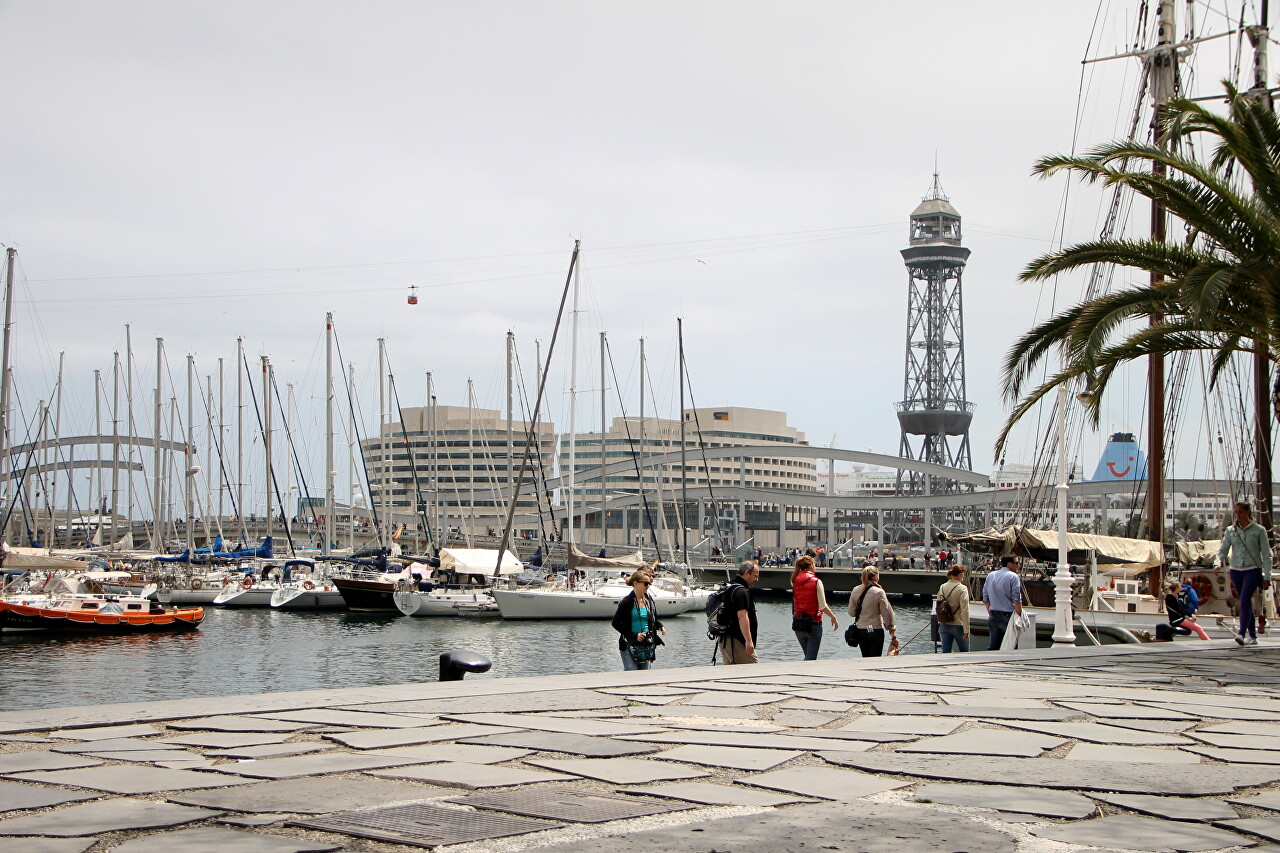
204, 171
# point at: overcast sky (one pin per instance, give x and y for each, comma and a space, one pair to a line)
204, 171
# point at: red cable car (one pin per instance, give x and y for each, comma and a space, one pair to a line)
413, 294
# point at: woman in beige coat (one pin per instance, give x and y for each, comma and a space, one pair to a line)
870, 608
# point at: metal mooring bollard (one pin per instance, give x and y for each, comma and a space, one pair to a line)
455, 665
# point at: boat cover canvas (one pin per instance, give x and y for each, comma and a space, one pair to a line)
1199, 553
1116, 552
35, 558
479, 561
579, 560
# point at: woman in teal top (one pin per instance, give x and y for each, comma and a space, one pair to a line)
637, 624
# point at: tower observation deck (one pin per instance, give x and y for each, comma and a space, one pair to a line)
934, 414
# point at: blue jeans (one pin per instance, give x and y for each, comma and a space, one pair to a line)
1246, 583
811, 640
629, 663
997, 623
954, 634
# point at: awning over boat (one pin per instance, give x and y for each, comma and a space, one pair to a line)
579, 560
1200, 553
479, 561
1115, 552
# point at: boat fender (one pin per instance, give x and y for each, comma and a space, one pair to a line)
196, 583
248, 582
1203, 587
308, 585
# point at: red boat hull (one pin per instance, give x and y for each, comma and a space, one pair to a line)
26, 618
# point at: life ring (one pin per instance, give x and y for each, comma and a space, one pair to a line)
1203, 587
247, 583
196, 583
308, 585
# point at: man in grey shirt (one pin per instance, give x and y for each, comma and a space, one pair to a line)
1002, 593
1245, 544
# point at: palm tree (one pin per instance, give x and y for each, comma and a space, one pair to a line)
1221, 286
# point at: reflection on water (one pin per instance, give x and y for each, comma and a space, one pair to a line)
259, 651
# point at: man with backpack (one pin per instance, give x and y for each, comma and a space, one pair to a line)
952, 610
738, 645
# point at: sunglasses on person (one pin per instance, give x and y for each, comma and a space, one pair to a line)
646, 583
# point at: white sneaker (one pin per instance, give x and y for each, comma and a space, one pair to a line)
1252, 641
1240, 639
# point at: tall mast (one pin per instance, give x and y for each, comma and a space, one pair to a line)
5, 380
222, 444
573, 403
115, 444
240, 508
351, 457
682, 516
130, 426
604, 402
640, 507
471, 460
266, 440
95, 476
329, 473
511, 444
287, 502
53, 470
188, 472
384, 474
1164, 79
158, 492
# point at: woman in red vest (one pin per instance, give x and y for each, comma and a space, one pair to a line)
808, 603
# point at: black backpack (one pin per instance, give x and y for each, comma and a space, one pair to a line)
944, 609
717, 611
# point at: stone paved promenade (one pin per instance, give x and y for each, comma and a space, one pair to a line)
1152, 748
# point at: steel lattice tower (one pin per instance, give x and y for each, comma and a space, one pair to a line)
934, 414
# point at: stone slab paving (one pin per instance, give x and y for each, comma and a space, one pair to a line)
113, 744
1100, 733
896, 724
817, 705
57, 845
727, 699
1134, 754
567, 699
1172, 808
223, 740
981, 741
701, 712
22, 762
1125, 712
223, 841
315, 795
1232, 741
979, 712
736, 758
1131, 832
436, 752
754, 741
825, 783
465, 775
1265, 800
15, 797
1238, 756
710, 794
1078, 775
130, 779
334, 717
309, 765
551, 724
1243, 728
231, 723
1041, 802
148, 755
103, 816
797, 719
105, 732
1264, 827
621, 771
386, 738
270, 750
573, 744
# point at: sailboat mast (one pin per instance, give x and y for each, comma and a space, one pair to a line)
157, 494
644, 522
5, 381
384, 478
604, 402
240, 508
573, 403
130, 426
351, 457
1263, 406
95, 475
684, 469
1164, 79
188, 473
511, 445
115, 444
266, 439
329, 472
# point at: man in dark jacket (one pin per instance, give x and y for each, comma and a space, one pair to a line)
739, 645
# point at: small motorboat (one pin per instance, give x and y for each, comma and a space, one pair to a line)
71, 609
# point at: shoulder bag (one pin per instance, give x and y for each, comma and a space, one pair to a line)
853, 634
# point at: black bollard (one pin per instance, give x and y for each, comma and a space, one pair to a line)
455, 665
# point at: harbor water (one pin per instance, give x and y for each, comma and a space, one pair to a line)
257, 651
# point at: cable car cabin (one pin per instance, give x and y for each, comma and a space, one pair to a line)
413, 295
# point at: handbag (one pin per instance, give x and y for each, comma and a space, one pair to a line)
642, 652
802, 622
853, 634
